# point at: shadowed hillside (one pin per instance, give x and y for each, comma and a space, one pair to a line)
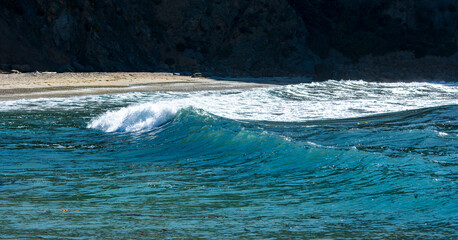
257, 38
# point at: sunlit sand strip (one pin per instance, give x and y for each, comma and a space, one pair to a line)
41, 85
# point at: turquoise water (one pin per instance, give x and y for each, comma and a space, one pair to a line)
329, 160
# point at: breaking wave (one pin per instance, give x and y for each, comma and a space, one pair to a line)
134, 118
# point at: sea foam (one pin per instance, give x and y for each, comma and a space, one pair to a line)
135, 118
292, 103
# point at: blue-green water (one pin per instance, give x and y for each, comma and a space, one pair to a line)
329, 160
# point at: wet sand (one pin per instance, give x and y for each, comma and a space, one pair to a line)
50, 84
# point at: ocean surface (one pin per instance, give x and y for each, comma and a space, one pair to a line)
325, 160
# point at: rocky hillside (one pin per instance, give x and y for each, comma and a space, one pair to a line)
259, 38
360, 27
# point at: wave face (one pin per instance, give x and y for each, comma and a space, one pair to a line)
345, 159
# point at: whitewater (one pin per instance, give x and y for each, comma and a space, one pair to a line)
333, 159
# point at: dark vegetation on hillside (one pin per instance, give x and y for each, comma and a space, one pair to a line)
367, 28
262, 37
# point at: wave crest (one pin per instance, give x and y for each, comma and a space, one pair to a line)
135, 118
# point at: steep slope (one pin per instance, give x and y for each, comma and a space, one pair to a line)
119, 35
358, 28
327, 38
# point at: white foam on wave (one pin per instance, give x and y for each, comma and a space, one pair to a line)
135, 118
292, 103
442, 134
325, 100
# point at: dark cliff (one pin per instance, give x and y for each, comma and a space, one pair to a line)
262, 37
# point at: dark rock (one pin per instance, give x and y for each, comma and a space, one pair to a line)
196, 75
324, 71
78, 67
22, 67
360, 28
118, 35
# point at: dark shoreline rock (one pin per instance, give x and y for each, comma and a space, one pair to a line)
397, 66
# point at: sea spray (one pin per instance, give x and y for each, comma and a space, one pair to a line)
135, 118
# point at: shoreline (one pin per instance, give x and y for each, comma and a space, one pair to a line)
16, 86
50, 84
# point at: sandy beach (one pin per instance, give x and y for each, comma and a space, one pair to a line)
51, 84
